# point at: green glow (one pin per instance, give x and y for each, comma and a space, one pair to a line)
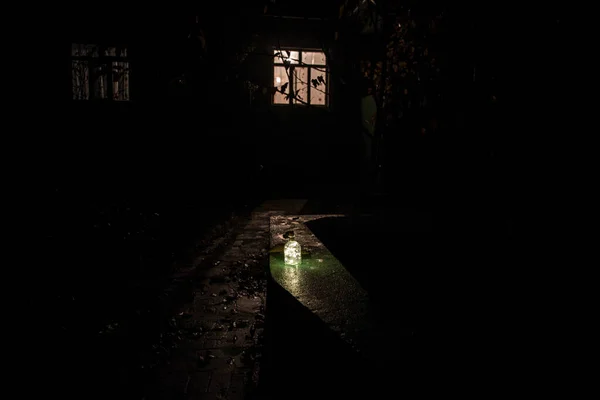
320, 283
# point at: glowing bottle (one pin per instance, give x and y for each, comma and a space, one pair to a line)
292, 253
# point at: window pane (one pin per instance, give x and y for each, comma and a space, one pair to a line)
317, 58
318, 87
84, 50
100, 81
293, 58
120, 80
301, 84
281, 79
80, 72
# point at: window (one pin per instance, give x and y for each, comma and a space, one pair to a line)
303, 73
99, 72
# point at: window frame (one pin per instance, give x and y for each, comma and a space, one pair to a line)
100, 59
277, 62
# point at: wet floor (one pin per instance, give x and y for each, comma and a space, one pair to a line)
452, 289
388, 255
307, 358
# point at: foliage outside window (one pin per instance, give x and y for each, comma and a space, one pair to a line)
300, 77
99, 72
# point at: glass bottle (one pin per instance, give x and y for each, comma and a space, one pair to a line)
292, 252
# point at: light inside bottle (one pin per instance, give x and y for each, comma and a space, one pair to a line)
292, 253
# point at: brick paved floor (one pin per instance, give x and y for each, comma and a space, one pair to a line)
221, 329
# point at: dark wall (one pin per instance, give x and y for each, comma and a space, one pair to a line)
126, 187
164, 138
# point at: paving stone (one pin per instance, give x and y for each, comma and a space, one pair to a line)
219, 382
198, 345
213, 343
234, 254
205, 301
211, 396
257, 230
222, 350
250, 306
254, 247
174, 380
258, 235
220, 364
236, 387
234, 338
202, 282
198, 385
217, 270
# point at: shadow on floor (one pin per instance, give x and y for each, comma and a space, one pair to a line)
305, 359
388, 256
